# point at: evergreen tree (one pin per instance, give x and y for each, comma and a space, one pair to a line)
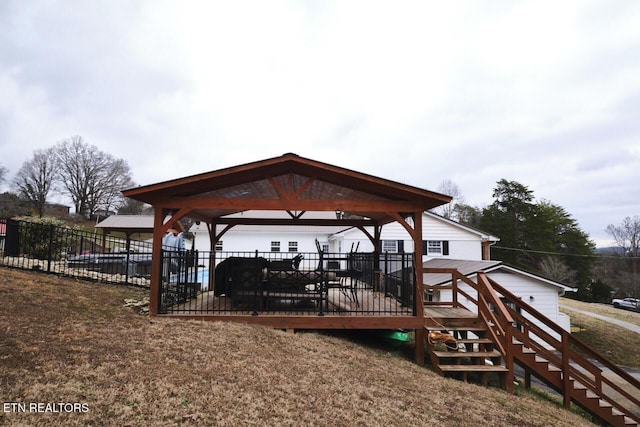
506, 218
538, 237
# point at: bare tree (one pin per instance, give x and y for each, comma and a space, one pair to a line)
467, 214
35, 179
93, 179
3, 172
627, 235
134, 207
553, 268
451, 189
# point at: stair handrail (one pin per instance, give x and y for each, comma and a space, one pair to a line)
569, 356
455, 289
498, 321
504, 330
564, 361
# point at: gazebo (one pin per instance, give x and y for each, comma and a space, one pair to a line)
295, 185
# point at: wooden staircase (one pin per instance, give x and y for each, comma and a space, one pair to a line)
475, 355
497, 337
547, 371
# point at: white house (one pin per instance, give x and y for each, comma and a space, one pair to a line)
539, 292
447, 244
275, 238
443, 238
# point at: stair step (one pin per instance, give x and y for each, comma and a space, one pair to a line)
487, 354
457, 328
550, 367
472, 368
578, 386
627, 421
474, 341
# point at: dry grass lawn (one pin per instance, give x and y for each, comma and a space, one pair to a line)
66, 341
618, 344
604, 310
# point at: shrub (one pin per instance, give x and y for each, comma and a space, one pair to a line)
42, 238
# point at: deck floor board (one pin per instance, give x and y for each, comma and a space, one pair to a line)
340, 302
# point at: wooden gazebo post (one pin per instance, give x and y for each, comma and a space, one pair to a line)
419, 294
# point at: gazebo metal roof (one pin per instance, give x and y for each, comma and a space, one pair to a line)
292, 183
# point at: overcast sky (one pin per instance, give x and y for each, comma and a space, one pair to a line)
543, 93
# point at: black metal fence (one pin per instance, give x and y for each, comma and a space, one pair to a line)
75, 253
240, 283
287, 283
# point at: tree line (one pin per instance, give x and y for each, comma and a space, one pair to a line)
91, 178
542, 237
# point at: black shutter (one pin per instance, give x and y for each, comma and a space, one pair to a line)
445, 247
424, 247
400, 246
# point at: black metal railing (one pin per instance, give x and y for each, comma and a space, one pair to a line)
240, 283
286, 283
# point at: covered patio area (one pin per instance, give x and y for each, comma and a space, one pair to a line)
267, 288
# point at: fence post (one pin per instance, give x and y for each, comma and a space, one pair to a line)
386, 272
50, 254
12, 239
127, 260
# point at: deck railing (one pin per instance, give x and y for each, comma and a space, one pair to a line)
256, 283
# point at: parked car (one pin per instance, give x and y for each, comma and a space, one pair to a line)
626, 303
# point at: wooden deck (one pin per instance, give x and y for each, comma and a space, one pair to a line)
435, 316
338, 302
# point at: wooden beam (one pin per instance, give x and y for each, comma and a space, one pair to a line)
419, 293
304, 186
281, 191
403, 223
301, 222
218, 236
175, 217
315, 322
239, 204
366, 233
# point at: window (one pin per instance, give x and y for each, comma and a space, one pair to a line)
219, 246
275, 246
293, 246
389, 246
435, 247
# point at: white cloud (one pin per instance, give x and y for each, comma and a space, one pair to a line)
544, 93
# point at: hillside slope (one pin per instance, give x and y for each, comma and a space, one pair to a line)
65, 341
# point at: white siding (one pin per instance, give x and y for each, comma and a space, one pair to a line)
463, 244
239, 241
545, 296
539, 295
